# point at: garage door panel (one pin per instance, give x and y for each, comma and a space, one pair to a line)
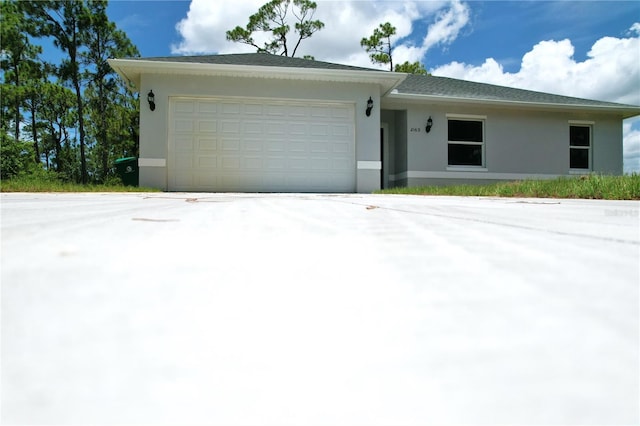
205, 162
252, 145
207, 126
275, 146
340, 131
340, 147
342, 113
207, 107
207, 144
320, 163
319, 130
276, 129
231, 163
255, 145
231, 127
297, 146
319, 112
184, 143
253, 127
187, 107
252, 163
184, 180
298, 163
298, 129
342, 165
231, 144
231, 108
319, 147
275, 163
184, 162
184, 126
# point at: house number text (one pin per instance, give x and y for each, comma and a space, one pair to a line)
415, 129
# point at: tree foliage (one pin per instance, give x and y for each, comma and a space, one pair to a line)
18, 62
379, 45
75, 116
380, 48
103, 42
273, 19
66, 22
411, 68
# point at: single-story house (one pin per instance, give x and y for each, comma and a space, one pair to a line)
268, 123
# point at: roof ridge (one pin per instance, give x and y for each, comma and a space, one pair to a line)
257, 59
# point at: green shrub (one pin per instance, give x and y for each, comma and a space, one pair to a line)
41, 180
15, 157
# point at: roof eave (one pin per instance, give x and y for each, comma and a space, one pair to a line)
626, 111
132, 69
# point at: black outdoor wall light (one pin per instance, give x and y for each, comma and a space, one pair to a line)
369, 106
429, 125
151, 98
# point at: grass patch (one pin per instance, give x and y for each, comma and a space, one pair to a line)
43, 181
597, 187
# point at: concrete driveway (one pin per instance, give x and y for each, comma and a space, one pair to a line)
318, 309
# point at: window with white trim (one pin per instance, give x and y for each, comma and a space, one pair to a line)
466, 142
580, 146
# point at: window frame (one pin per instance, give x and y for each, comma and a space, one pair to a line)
483, 149
589, 148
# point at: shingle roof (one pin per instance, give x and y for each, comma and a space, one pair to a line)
258, 59
419, 85
463, 89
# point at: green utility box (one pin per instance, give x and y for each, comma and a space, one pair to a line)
127, 169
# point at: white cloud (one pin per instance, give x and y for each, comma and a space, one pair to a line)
346, 23
611, 72
204, 28
447, 26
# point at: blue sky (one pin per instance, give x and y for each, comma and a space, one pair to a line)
588, 49
504, 30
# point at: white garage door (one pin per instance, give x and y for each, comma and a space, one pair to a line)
251, 145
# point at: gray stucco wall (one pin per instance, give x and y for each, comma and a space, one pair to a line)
518, 144
154, 124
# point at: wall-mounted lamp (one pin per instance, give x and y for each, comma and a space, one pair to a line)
369, 106
151, 98
429, 125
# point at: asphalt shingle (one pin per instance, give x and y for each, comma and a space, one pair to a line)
412, 85
258, 59
463, 89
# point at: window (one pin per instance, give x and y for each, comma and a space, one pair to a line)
579, 146
466, 142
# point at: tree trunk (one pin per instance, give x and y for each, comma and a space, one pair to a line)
76, 85
58, 148
17, 105
83, 158
103, 132
35, 136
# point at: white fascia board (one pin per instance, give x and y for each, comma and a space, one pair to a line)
132, 69
132, 81
626, 111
